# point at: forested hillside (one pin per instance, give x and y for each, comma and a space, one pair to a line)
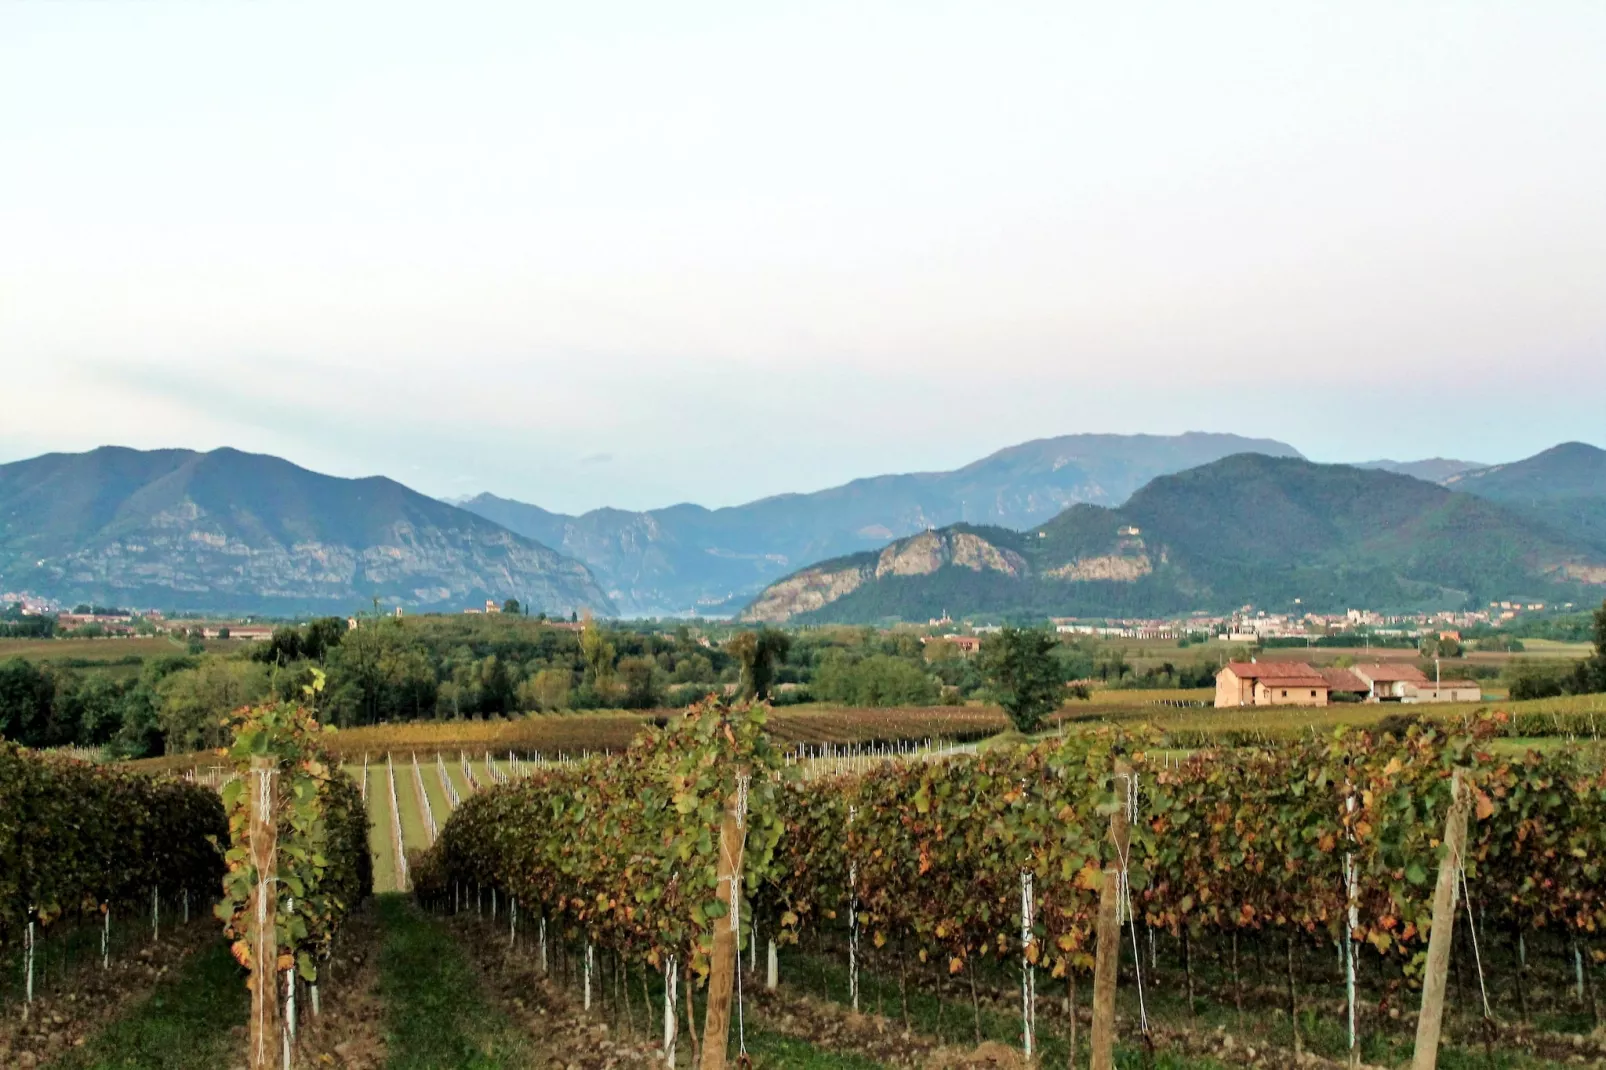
688, 559
234, 532
1565, 487
1274, 532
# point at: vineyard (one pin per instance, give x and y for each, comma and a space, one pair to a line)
1098, 896
286, 841
976, 869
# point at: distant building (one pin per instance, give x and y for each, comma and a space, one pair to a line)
1390, 681
1395, 682
965, 644
491, 606
1345, 685
1270, 683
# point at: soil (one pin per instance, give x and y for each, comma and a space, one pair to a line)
61, 1020
569, 1038
349, 1033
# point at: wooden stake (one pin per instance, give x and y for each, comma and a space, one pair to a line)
722, 967
1107, 960
1431, 1020
264, 940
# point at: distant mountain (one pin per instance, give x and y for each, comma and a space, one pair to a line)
232, 531
1565, 486
1434, 469
687, 559
1280, 533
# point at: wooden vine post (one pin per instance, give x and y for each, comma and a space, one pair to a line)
264, 939
1431, 1020
1107, 959
722, 965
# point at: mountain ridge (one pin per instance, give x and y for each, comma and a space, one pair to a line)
1244, 529
1564, 486
687, 558
229, 530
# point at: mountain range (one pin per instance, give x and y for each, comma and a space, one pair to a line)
688, 559
1565, 487
237, 532
1277, 532
1077, 525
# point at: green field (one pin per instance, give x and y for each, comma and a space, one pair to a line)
90, 651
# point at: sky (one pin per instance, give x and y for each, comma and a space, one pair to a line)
632, 254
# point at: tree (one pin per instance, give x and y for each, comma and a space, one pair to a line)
643, 682
1590, 674
597, 653
512, 606
196, 702
758, 653
1023, 674
547, 690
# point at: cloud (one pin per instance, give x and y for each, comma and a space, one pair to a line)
597, 458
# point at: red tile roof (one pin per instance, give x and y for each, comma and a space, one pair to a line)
1383, 673
1295, 673
1344, 680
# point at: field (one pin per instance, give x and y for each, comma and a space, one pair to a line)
105, 649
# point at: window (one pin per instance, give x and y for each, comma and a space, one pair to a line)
1285, 692
1313, 694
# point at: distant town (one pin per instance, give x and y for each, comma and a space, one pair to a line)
1248, 625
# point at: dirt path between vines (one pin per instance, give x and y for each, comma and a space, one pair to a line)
66, 1014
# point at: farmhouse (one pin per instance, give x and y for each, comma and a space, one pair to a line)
1406, 683
1270, 683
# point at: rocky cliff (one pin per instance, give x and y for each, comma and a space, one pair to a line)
245, 533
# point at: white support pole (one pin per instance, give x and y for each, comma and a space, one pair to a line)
772, 974
671, 984
156, 913
1028, 976
543, 944
106, 937
28, 958
853, 925
1351, 921
590, 960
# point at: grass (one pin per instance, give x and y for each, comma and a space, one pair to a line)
777, 1050
949, 1017
380, 840
105, 649
186, 1024
436, 1017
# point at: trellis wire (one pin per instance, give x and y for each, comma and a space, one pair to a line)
395, 825
453, 800
423, 802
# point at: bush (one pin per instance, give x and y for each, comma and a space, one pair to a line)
75, 837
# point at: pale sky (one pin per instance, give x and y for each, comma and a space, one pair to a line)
600, 253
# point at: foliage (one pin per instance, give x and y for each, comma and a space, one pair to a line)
877, 680
75, 837
1023, 675
324, 869
758, 653
624, 848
